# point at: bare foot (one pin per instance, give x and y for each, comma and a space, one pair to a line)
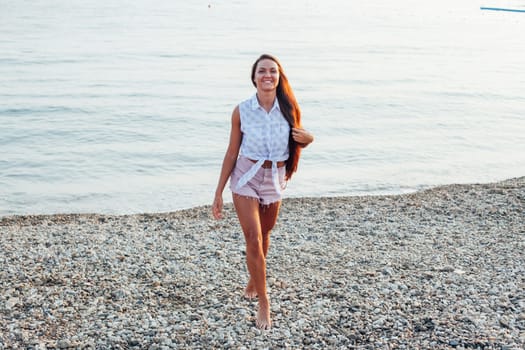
263, 317
250, 292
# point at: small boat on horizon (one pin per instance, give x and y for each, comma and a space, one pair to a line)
501, 9
509, 6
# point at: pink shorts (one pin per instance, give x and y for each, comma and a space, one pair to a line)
261, 186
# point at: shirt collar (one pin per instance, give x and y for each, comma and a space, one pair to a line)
255, 103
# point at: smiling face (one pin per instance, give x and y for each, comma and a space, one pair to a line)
266, 75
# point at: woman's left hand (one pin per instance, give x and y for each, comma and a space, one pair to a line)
302, 136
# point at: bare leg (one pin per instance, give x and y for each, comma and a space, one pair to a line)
268, 217
250, 292
249, 218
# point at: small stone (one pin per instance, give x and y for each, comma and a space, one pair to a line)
63, 344
11, 303
387, 271
133, 342
504, 321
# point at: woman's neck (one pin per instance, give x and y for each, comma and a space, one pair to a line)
266, 99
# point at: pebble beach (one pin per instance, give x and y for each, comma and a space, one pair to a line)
442, 268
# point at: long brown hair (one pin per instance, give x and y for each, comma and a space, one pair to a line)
290, 110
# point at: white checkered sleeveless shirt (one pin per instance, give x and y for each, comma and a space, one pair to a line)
265, 137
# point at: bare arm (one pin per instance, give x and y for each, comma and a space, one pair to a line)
230, 158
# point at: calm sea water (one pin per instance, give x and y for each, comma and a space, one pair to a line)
123, 107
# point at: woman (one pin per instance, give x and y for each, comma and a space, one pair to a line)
265, 142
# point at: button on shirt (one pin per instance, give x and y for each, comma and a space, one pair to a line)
265, 137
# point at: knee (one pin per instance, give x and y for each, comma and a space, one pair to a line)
253, 245
267, 230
